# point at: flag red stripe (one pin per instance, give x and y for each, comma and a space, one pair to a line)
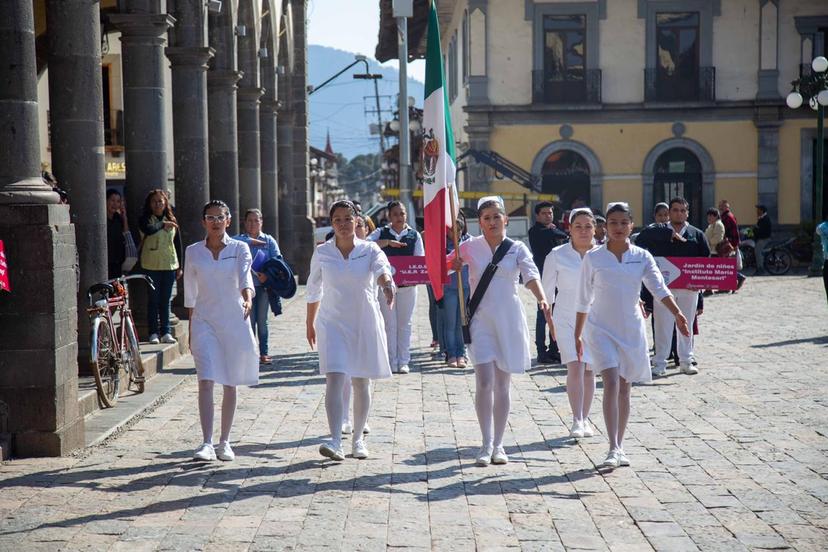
435, 242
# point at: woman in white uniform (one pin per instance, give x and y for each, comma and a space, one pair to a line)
500, 336
218, 291
561, 271
609, 323
344, 320
398, 238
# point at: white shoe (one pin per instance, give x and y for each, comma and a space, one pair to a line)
359, 450
499, 456
611, 460
404, 369
205, 453
224, 452
688, 369
168, 338
484, 456
153, 339
366, 430
589, 431
659, 371
347, 428
622, 458
577, 429
329, 451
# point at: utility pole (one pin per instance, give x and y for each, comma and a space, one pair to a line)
404, 9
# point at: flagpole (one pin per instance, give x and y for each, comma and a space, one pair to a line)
460, 292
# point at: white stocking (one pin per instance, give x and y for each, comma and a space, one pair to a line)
613, 417
362, 404
580, 388
492, 401
334, 384
228, 411
205, 409
346, 401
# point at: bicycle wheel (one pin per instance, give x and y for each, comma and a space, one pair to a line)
104, 367
134, 364
778, 262
748, 261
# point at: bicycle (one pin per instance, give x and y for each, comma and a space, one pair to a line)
111, 348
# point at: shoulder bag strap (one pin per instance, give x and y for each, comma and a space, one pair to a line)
487, 276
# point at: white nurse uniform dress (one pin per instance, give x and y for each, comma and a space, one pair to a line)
609, 291
498, 328
350, 332
561, 270
222, 341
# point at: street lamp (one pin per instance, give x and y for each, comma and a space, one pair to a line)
814, 88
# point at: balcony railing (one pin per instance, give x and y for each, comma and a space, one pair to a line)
552, 89
699, 87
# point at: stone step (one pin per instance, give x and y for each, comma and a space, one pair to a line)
155, 358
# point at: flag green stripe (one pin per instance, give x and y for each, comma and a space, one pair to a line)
434, 56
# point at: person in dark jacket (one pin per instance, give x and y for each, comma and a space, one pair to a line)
543, 237
116, 228
685, 241
761, 234
732, 235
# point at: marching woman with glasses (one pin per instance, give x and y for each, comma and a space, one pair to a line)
609, 322
344, 320
218, 291
499, 334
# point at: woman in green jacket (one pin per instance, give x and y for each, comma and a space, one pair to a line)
160, 260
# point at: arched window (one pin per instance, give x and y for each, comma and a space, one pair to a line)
566, 173
678, 173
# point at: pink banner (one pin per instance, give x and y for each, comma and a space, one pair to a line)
408, 271
4, 269
698, 272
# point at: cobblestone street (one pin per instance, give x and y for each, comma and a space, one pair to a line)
734, 458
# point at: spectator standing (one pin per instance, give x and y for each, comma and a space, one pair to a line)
762, 232
257, 241
732, 236
451, 323
715, 231
160, 259
822, 230
543, 237
600, 230
116, 231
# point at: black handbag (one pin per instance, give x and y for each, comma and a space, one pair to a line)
483, 284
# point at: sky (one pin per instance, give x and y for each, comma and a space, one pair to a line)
353, 26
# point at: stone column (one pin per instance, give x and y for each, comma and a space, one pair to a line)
190, 137
77, 140
223, 138
250, 175
142, 54
284, 148
38, 341
268, 146
302, 225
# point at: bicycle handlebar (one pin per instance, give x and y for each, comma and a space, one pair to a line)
109, 289
144, 277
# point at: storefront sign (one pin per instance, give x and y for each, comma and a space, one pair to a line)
698, 272
408, 271
115, 169
4, 269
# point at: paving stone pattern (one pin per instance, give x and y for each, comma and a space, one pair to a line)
731, 459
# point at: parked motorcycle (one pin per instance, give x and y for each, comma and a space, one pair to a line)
777, 257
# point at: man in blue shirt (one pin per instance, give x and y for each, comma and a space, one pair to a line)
259, 241
822, 230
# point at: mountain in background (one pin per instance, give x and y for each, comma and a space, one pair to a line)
340, 107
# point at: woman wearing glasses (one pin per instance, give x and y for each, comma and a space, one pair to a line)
609, 321
218, 291
344, 319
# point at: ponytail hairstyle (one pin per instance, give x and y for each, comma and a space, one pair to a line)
215, 203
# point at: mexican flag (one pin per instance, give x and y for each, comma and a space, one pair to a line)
437, 159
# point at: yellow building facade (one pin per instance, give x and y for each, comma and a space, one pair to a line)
639, 100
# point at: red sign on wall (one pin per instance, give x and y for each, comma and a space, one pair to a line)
4, 269
698, 272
